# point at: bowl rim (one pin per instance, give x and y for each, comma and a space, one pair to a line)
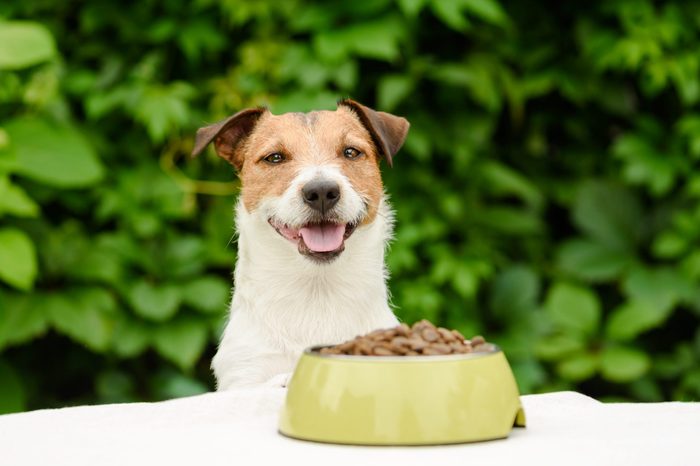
313, 351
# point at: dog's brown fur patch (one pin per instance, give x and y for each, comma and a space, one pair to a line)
316, 138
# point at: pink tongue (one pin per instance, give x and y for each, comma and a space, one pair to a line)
323, 238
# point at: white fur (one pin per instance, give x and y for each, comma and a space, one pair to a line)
291, 210
283, 302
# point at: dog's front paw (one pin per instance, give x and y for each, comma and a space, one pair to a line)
279, 380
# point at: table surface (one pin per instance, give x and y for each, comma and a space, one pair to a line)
240, 427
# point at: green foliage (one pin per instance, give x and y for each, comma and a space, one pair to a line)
17, 258
52, 154
26, 44
547, 195
12, 397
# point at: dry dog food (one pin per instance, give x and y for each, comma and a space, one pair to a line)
423, 338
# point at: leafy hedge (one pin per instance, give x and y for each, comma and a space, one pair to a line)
547, 195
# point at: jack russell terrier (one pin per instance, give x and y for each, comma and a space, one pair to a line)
313, 223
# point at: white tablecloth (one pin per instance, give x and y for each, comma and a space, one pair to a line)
240, 428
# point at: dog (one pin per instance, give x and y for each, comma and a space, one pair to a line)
313, 224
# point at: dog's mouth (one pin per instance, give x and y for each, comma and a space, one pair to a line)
323, 241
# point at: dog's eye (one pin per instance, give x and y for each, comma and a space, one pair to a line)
351, 153
275, 158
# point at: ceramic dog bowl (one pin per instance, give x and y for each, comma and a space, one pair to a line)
401, 400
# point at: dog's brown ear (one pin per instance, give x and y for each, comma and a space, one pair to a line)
388, 131
228, 134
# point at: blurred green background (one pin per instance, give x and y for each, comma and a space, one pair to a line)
547, 195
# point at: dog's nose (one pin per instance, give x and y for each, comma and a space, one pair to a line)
321, 195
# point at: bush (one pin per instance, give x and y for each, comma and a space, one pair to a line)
547, 195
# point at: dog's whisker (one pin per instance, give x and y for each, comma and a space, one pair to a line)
230, 241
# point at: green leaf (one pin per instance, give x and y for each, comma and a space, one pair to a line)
411, 7
670, 366
487, 10
183, 257
511, 221
115, 387
12, 397
207, 294
478, 76
425, 301
170, 384
18, 266
690, 265
609, 214
378, 39
578, 367
24, 44
4, 143
98, 263
218, 230
304, 100
647, 389
669, 245
689, 127
81, 316
573, 308
8, 158
660, 288
130, 337
529, 374
634, 317
623, 364
514, 292
644, 165
418, 144
684, 74
465, 281
537, 84
15, 201
691, 382
504, 182
181, 341
163, 109
197, 38
57, 155
592, 261
559, 346
450, 13
22, 317
346, 75
517, 339
154, 302
392, 89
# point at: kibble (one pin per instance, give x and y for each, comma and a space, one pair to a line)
430, 335
421, 339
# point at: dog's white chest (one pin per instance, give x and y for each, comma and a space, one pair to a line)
283, 304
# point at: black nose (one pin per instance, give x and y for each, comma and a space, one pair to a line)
321, 195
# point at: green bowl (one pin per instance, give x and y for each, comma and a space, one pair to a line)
401, 400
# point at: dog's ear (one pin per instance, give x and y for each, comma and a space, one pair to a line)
228, 134
388, 131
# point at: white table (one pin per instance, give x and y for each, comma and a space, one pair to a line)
240, 427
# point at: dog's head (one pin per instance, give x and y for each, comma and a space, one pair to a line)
314, 177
